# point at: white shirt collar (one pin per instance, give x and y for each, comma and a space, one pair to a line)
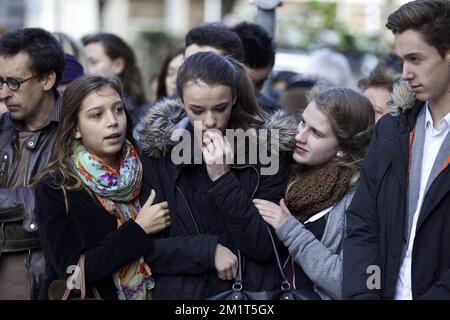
443, 123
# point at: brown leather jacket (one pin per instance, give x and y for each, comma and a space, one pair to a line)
18, 229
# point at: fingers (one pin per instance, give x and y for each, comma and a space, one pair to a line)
228, 151
283, 205
228, 273
151, 198
225, 263
234, 267
267, 205
260, 201
217, 146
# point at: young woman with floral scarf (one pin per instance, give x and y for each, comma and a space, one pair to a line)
87, 197
331, 141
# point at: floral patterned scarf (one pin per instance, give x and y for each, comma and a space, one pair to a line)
117, 188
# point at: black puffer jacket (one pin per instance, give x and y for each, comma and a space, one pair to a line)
205, 213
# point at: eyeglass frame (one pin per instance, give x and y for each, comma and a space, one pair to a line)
19, 83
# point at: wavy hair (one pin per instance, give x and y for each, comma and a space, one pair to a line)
60, 163
352, 119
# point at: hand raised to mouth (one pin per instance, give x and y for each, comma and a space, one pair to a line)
217, 153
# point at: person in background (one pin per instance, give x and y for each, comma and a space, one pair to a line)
295, 97
71, 46
378, 87
108, 54
259, 58
326, 64
214, 37
280, 82
31, 66
72, 70
166, 86
331, 141
167, 78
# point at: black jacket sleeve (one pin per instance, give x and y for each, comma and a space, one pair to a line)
192, 254
62, 242
246, 226
182, 254
361, 245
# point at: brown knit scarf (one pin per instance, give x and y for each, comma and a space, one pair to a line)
317, 188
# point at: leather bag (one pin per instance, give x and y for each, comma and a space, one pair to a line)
285, 292
58, 289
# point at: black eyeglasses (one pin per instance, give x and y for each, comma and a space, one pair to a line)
14, 84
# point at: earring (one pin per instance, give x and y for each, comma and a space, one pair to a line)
339, 154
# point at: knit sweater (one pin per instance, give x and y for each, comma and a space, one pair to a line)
321, 259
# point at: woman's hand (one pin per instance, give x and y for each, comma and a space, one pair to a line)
225, 262
153, 217
273, 214
217, 154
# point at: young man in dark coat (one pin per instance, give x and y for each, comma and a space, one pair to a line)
398, 241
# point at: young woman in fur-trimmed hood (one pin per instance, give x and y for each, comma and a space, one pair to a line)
209, 190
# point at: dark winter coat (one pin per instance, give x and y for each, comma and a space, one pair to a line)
183, 259
376, 216
85, 228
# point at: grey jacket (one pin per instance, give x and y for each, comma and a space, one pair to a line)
320, 260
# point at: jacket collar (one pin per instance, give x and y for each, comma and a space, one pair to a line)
54, 115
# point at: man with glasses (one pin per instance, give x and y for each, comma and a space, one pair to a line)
31, 65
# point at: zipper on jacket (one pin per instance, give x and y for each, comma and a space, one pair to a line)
26, 172
189, 208
3, 168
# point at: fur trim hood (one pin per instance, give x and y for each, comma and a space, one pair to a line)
402, 98
156, 133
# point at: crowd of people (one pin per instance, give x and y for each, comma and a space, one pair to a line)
172, 198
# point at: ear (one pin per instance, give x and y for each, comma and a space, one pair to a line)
118, 65
49, 80
447, 56
77, 133
234, 101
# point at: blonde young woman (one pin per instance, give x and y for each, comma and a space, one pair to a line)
331, 140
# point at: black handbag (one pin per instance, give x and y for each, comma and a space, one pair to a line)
58, 289
285, 292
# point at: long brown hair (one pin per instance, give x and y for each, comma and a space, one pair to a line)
131, 77
351, 117
214, 69
60, 163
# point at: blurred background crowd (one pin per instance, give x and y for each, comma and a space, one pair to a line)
339, 40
